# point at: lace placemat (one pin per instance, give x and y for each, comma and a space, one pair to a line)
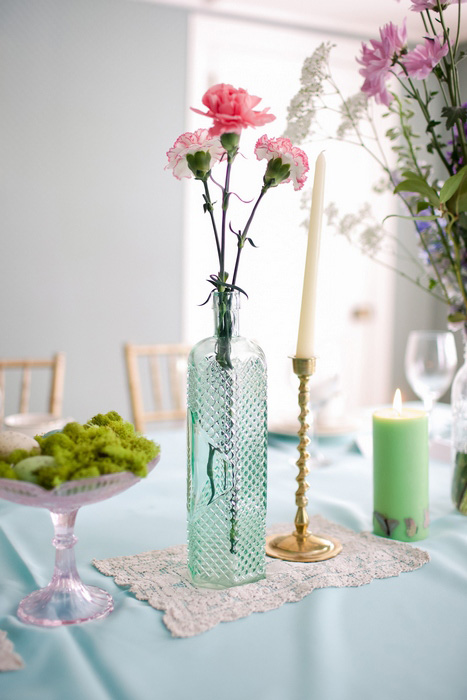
161, 577
9, 660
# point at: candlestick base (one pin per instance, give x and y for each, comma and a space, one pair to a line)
305, 548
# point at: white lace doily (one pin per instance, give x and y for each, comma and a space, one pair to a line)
9, 661
161, 577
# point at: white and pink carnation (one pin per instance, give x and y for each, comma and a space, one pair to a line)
191, 142
284, 149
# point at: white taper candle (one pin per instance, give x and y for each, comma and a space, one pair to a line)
306, 331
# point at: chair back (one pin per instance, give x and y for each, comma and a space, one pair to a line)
165, 368
55, 365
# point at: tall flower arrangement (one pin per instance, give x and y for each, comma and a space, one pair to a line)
226, 382
430, 176
194, 155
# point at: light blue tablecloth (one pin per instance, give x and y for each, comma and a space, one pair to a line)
398, 638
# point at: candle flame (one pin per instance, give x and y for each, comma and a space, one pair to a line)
397, 403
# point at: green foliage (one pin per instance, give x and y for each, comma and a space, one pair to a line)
452, 184
459, 482
454, 114
458, 317
417, 184
7, 471
458, 202
18, 455
106, 444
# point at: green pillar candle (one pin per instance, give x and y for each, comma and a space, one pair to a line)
400, 473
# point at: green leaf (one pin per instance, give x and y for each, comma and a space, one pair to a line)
239, 289
421, 206
410, 175
432, 124
210, 295
452, 184
453, 114
458, 202
457, 317
432, 284
421, 186
411, 218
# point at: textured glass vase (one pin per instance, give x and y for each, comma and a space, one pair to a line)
459, 434
227, 454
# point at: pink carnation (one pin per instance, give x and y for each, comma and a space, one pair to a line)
284, 149
424, 57
378, 58
191, 143
232, 109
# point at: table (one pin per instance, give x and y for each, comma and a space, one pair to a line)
401, 637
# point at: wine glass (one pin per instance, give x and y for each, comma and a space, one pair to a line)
430, 363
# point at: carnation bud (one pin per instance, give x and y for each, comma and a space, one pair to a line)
230, 142
199, 164
276, 172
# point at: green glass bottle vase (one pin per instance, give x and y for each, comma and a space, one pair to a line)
227, 454
459, 433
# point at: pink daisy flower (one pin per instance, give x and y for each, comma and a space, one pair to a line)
424, 57
377, 59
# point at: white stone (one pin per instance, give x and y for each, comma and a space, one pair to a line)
10, 440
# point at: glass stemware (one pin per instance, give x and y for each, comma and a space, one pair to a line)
430, 364
66, 600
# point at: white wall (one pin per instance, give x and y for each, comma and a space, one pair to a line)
92, 95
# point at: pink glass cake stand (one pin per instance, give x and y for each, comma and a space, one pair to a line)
66, 600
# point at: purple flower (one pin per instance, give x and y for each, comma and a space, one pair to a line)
424, 57
421, 5
393, 38
378, 58
423, 225
455, 155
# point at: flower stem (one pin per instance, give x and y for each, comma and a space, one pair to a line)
225, 206
243, 236
414, 94
453, 76
211, 214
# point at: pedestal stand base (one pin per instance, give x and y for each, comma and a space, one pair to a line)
305, 549
49, 607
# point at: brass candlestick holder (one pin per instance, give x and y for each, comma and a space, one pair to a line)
302, 545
